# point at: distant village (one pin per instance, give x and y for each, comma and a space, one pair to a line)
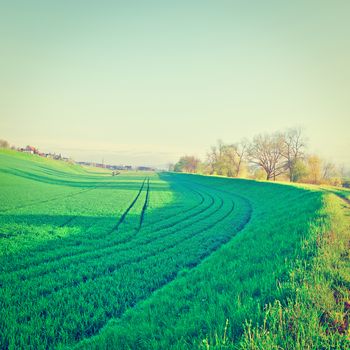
116, 167
33, 150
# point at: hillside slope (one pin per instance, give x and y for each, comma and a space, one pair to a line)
166, 261
282, 283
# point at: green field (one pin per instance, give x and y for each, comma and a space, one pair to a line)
168, 261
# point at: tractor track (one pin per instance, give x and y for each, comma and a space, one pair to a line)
122, 218
171, 275
111, 268
144, 207
148, 225
108, 244
208, 242
101, 251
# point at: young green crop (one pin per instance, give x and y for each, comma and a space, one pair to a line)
232, 284
91, 254
171, 260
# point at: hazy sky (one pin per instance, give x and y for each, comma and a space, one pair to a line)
143, 82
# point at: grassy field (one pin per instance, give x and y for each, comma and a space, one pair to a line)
168, 261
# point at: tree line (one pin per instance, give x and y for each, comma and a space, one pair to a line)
273, 156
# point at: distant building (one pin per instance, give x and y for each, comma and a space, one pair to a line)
84, 163
29, 149
145, 168
106, 166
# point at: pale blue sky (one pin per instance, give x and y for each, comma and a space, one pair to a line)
144, 82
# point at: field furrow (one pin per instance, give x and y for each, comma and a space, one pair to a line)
143, 211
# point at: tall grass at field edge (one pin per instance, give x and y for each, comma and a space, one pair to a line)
317, 317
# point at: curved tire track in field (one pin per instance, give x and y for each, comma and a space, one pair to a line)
239, 228
155, 221
122, 218
145, 204
173, 244
101, 251
108, 244
172, 274
72, 218
68, 254
75, 283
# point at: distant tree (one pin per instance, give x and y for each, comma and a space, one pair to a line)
345, 176
314, 169
202, 168
269, 156
258, 173
4, 144
206, 168
266, 151
188, 164
242, 153
300, 170
329, 171
293, 152
332, 175
227, 159
210, 161
215, 159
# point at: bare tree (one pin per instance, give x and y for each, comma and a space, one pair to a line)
228, 161
314, 164
242, 152
293, 151
212, 160
328, 170
267, 152
215, 158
